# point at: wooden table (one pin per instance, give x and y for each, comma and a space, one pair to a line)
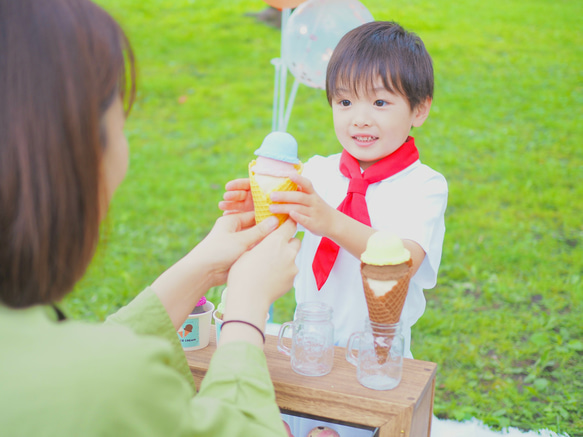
338, 397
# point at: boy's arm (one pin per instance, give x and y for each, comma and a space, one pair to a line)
308, 209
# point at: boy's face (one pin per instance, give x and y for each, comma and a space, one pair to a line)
374, 124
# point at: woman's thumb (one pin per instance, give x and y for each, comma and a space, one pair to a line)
259, 232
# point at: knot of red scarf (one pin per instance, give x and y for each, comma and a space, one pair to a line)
354, 204
357, 186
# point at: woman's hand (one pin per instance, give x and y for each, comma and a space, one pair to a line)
258, 278
207, 265
230, 237
237, 198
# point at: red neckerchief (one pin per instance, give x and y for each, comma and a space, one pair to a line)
354, 204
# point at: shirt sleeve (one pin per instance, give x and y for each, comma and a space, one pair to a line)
426, 226
238, 395
148, 398
145, 315
153, 396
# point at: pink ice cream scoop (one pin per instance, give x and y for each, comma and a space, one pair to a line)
273, 167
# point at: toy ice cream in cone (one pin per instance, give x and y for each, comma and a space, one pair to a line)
277, 159
386, 271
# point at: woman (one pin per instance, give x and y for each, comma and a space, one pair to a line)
62, 155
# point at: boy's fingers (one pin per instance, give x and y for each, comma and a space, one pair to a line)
238, 184
231, 206
235, 195
288, 196
299, 218
302, 182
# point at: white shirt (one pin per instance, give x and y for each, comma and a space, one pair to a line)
410, 204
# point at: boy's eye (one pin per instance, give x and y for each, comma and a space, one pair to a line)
380, 103
344, 102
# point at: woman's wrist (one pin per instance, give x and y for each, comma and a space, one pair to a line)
199, 262
246, 323
249, 333
243, 306
181, 286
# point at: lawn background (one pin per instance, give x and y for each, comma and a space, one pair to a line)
504, 322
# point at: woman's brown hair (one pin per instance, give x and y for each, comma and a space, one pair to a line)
62, 62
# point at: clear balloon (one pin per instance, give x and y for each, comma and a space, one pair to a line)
284, 4
313, 31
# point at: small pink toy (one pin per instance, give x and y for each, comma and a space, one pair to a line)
199, 306
322, 431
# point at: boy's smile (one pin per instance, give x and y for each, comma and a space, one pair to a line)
373, 124
364, 141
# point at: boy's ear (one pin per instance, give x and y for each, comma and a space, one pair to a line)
421, 112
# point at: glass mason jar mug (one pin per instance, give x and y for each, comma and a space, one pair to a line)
379, 364
312, 350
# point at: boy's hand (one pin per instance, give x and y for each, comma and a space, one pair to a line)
304, 206
238, 197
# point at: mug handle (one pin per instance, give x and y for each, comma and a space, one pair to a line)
350, 357
280, 346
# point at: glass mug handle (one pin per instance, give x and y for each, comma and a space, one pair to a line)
350, 357
280, 345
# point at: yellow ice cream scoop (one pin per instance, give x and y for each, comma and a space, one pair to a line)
385, 248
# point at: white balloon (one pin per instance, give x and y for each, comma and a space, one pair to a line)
312, 32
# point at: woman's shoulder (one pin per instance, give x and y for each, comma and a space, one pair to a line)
115, 352
101, 357
78, 374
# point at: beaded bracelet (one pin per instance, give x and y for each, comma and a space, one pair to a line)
246, 323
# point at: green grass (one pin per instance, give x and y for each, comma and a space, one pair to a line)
504, 321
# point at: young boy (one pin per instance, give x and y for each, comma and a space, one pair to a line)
380, 85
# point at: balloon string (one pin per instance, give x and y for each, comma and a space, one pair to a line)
276, 62
290, 102
285, 13
282, 90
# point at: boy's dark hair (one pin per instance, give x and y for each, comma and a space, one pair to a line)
62, 63
385, 49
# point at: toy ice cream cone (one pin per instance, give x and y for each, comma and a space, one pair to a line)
386, 271
277, 160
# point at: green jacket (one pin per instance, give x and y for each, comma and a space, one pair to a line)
127, 377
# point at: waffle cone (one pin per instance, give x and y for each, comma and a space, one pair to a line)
261, 199
386, 309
